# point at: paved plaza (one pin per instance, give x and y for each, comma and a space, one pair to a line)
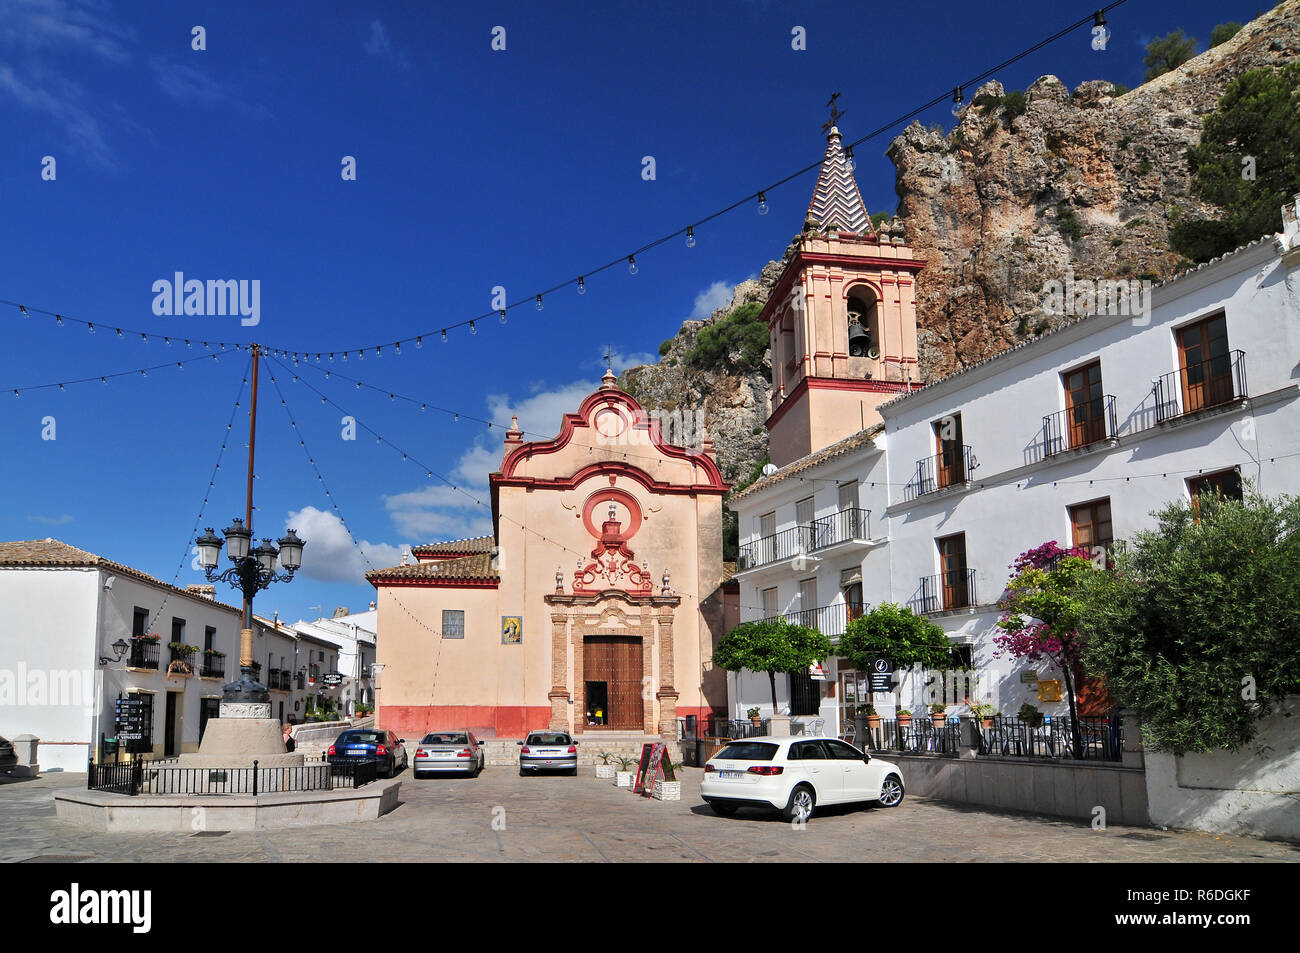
585, 819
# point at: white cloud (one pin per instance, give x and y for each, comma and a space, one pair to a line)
53, 520
542, 412
328, 554
380, 44
715, 296
188, 84
619, 362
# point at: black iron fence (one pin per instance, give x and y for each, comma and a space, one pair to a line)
946, 590
920, 734
1100, 738
1194, 387
841, 527
1087, 422
737, 727
140, 776
144, 653
951, 467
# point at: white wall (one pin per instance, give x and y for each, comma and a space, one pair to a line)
48, 661
1254, 791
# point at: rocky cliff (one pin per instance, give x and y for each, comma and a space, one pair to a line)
1019, 192
1089, 181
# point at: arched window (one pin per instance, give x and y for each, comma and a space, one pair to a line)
864, 323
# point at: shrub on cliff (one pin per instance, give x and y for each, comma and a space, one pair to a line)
737, 340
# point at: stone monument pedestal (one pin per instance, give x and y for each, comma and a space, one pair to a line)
242, 733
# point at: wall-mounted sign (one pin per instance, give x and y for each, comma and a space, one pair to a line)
512, 629
332, 679
1028, 678
882, 675
1049, 690
817, 672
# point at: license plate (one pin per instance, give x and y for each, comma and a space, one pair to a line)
444, 754
359, 750
731, 775
548, 753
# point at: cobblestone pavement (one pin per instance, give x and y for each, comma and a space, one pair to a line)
583, 819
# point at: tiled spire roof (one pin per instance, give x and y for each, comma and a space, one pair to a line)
836, 202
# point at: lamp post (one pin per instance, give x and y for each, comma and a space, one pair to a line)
253, 569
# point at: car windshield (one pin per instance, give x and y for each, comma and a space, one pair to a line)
446, 738
361, 738
547, 738
747, 751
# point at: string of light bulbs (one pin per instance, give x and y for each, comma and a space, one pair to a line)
212, 482
1095, 18
61, 317
105, 378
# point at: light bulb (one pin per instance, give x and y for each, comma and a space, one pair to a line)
956, 101
444, 336
690, 236
502, 315
472, 328
58, 319
539, 302
582, 286
397, 346
90, 328
419, 341
851, 162
762, 203
361, 354
631, 264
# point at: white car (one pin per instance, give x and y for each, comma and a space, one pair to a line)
794, 775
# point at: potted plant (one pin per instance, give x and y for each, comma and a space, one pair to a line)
625, 775
984, 713
153, 637
869, 712
668, 790
754, 716
1031, 715
904, 718
605, 769
181, 655
938, 714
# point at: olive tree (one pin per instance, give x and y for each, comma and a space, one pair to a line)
771, 646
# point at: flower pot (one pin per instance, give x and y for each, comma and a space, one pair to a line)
873, 722
624, 778
605, 771
938, 719
756, 721
986, 723
904, 720
667, 791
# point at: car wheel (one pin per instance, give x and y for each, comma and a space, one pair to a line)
801, 804
522, 772
723, 810
573, 772
891, 791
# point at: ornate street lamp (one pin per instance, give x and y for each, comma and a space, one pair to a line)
252, 571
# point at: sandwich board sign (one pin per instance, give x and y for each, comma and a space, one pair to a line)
653, 766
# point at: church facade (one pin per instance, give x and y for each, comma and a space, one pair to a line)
594, 606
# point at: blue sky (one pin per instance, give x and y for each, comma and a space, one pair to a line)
475, 168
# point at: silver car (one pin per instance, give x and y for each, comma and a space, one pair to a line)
548, 751
449, 751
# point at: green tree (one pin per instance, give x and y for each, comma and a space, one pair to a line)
1197, 628
737, 340
771, 646
1224, 32
895, 633
1247, 163
1168, 52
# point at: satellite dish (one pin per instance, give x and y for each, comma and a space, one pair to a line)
873, 353
769, 469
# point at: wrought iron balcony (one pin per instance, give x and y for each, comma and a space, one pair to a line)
806, 538
1085, 423
214, 666
945, 590
144, 653
830, 620
1212, 383
951, 467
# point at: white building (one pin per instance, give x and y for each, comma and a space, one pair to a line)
63, 610
1077, 436
354, 635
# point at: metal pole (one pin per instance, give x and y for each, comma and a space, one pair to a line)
246, 634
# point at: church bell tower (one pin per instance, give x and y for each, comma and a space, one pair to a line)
842, 317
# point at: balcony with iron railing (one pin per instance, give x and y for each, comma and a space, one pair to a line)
845, 526
831, 621
144, 653
213, 665
944, 591
952, 467
1082, 425
1200, 386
